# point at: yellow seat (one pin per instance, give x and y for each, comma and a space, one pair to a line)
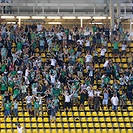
82, 113
3, 131
47, 131
128, 125
90, 125
100, 113
85, 131
65, 125
114, 119
115, 125
89, 119
84, 125
33, 119
101, 119
95, 119
35, 130
98, 131
118, 114
83, 119
131, 114
64, 119
66, 130
41, 131
34, 125
72, 125
78, 125
125, 113
96, 125
53, 125
63, 113
27, 119
59, 125
104, 131
14, 120
110, 131
108, 119
71, 119
92, 130
8, 119
122, 125
26, 114
116, 131
9, 131
72, 131
120, 119
69, 113
75, 113
109, 125
8, 125
112, 114
123, 131
27, 125
39, 119
126, 119
103, 125
88, 114
106, 114
129, 131
94, 113
28, 131
40, 125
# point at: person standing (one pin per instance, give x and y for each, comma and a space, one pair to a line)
114, 101
15, 108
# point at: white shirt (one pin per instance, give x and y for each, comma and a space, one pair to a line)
53, 62
88, 58
97, 92
87, 43
123, 46
26, 72
90, 93
81, 42
52, 77
103, 51
68, 98
69, 37
114, 100
39, 99
20, 129
59, 35
28, 99
106, 63
39, 27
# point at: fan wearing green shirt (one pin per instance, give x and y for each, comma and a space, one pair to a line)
116, 48
7, 109
36, 107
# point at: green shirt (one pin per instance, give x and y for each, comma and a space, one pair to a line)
94, 28
19, 45
13, 73
16, 91
7, 106
3, 67
116, 45
56, 92
36, 105
11, 83
3, 87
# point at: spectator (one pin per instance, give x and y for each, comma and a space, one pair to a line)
114, 101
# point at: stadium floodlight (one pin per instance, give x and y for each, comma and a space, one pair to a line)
7, 17
11, 22
54, 22
69, 17
23, 17
53, 17
83, 17
100, 17
38, 17
96, 23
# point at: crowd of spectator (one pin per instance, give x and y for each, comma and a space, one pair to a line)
40, 65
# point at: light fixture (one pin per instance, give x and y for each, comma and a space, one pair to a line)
23, 17
109, 17
69, 17
7, 17
11, 22
54, 22
96, 23
53, 17
83, 17
38, 17
100, 17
